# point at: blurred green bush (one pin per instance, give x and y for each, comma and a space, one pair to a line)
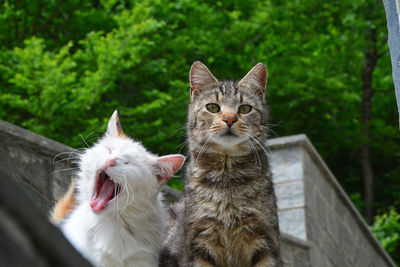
387, 230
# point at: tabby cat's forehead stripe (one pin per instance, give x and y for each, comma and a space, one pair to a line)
222, 88
226, 90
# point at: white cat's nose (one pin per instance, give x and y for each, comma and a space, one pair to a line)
110, 163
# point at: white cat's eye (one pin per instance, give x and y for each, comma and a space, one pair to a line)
213, 108
244, 109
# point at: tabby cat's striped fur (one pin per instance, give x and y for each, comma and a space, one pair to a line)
229, 215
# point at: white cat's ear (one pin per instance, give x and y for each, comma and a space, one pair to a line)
200, 77
167, 166
114, 126
256, 79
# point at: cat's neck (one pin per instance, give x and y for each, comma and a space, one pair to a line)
215, 156
224, 171
141, 211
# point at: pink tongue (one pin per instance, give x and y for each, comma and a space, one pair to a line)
100, 200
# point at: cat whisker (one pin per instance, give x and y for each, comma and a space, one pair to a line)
262, 147
131, 197
128, 195
182, 145
80, 149
139, 207
131, 194
182, 128
61, 160
201, 150
188, 139
94, 139
275, 125
193, 139
265, 145
199, 141
69, 157
270, 130
67, 169
215, 127
93, 132
115, 210
63, 153
267, 128
256, 156
84, 141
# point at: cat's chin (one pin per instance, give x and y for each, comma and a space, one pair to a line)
105, 190
229, 141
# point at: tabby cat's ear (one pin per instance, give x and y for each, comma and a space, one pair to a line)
167, 166
200, 77
256, 79
114, 126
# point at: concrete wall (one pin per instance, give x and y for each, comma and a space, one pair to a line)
319, 224
41, 166
29, 157
27, 237
313, 207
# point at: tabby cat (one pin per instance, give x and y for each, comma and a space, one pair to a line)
228, 216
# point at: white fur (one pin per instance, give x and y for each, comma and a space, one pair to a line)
129, 231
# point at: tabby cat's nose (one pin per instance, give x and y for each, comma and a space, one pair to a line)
229, 120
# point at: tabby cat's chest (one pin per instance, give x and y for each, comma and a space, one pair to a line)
228, 173
228, 189
229, 206
229, 224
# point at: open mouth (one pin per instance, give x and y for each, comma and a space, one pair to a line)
105, 190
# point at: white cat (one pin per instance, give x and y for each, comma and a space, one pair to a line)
116, 217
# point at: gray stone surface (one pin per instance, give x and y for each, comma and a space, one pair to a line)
287, 168
27, 237
320, 226
42, 167
295, 252
29, 157
321, 212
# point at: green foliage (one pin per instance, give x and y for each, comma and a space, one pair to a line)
64, 68
387, 230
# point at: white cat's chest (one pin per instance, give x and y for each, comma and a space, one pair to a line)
107, 241
112, 237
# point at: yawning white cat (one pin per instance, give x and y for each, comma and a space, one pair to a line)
116, 216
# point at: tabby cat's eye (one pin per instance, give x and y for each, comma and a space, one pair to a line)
213, 108
244, 109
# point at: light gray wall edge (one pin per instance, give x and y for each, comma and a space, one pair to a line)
302, 140
41, 144
296, 241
